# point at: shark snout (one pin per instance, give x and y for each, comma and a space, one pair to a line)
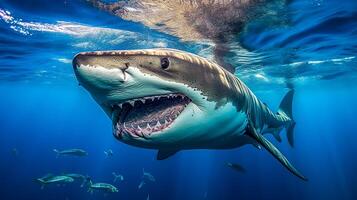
75, 63
82, 59
99, 71
100, 59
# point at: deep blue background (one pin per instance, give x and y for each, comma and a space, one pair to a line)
40, 118
42, 107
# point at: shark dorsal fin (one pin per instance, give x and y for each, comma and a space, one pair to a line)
162, 154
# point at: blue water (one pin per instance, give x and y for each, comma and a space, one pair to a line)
310, 46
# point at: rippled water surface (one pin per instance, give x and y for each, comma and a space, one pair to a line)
310, 46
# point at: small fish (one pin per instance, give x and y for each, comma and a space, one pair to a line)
108, 153
106, 187
117, 176
50, 179
236, 167
148, 176
141, 184
72, 152
47, 177
148, 197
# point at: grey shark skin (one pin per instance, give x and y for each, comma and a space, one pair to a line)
172, 100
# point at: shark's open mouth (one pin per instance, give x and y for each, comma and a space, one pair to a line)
144, 116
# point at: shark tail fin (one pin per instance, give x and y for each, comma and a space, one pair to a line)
285, 109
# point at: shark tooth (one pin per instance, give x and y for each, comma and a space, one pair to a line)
139, 133
145, 134
133, 135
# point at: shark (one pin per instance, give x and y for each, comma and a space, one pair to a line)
171, 100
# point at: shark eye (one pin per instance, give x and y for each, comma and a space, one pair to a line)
165, 63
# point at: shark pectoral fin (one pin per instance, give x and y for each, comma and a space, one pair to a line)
162, 154
273, 150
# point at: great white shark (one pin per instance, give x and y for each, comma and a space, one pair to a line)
172, 100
